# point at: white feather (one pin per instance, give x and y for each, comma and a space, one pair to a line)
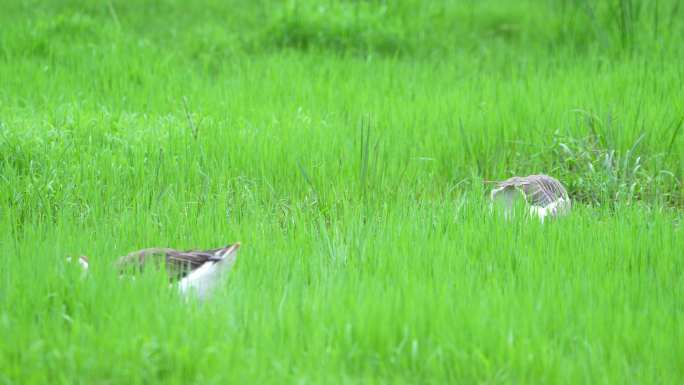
203, 280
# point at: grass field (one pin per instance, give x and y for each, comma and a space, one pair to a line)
345, 145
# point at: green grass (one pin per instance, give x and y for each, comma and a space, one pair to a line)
345, 144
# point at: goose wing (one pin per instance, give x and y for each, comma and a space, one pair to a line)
178, 263
539, 190
204, 279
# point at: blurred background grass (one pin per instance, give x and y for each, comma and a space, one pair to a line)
345, 144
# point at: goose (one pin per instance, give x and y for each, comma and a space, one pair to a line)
197, 272
545, 195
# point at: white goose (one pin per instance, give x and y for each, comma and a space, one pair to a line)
197, 272
544, 195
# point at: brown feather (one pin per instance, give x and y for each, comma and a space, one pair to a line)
540, 190
177, 263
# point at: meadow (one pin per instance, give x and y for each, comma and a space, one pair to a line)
345, 144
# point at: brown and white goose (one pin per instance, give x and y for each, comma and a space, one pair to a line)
545, 195
195, 271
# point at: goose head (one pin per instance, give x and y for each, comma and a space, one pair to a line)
82, 261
